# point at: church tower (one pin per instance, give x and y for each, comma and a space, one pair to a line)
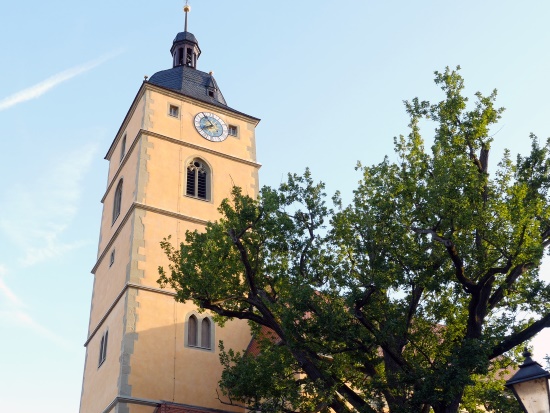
177, 154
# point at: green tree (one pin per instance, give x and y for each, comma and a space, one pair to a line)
413, 297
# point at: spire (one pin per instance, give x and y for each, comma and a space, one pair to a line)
186, 9
185, 48
184, 77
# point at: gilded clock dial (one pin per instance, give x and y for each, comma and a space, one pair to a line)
211, 126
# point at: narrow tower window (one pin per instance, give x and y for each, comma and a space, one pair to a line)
123, 148
103, 348
198, 180
180, 56
192, 331
206, 335
117, 201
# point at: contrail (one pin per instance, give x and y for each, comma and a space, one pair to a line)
39, 89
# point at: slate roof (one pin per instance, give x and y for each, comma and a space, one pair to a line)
183, 36
190, 82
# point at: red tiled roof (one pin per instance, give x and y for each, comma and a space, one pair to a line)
254, 345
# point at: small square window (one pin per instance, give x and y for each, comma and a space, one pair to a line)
232, 130
112, 259
211, 93
174, 111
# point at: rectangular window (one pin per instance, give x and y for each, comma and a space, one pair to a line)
232, 130
112, 259
174, 111
103, 348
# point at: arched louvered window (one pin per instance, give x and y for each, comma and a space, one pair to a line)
117, 201
198, 180
192, 331
206, 333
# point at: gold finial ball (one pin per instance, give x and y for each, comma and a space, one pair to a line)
211, 73
187, 8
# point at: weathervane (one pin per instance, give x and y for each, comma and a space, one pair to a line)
186, 9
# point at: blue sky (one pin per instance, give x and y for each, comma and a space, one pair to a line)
326, 78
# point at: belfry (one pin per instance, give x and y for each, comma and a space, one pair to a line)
178, 152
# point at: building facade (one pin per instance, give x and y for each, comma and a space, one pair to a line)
177, 154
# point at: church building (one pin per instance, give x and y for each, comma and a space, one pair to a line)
176, 156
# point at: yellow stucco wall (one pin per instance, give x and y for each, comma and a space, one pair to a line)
130, 129
110, 279
162, 367
148, 358
100, 383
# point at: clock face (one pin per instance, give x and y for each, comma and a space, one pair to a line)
211, 127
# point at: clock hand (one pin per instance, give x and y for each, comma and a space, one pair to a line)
206, 119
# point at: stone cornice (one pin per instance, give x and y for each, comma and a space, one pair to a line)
156, 403
173, 94
201, 148
117, 173
126, 120
143, 132
116, 301
199, 103
137, 205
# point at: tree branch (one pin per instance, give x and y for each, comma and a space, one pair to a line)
241, 315
498, 295
518, 338
354, 399
468, 284
398, 359
249, 272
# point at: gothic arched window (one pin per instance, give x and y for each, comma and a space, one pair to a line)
199, 332
198, 179
192, 332
206, 328
117, 201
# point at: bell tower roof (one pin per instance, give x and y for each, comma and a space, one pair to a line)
186, 37
184, 76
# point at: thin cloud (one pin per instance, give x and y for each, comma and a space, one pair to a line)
39, 89
38, 232
13, 311
9, 294
22, 319
6, 292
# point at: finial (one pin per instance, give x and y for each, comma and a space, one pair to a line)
211, 73
186, 9
145, 78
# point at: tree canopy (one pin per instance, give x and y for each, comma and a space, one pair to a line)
413, 298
